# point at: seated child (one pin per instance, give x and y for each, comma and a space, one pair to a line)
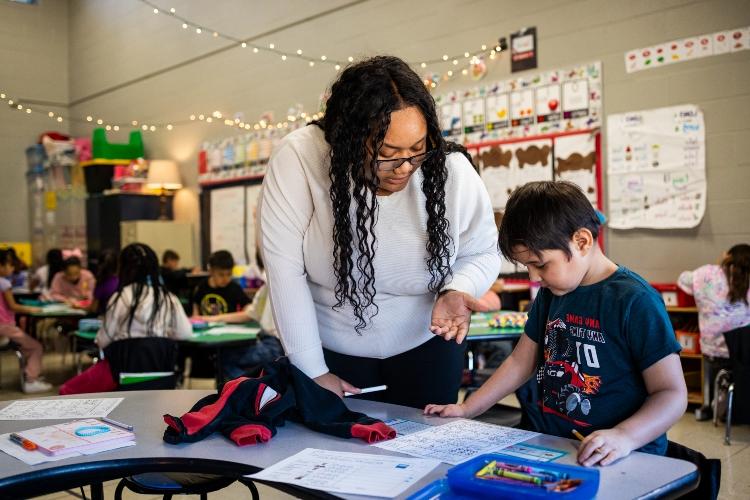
175, 278
237, 362
73, 285
41, 281
30, 347
598, 340
219, 294
106, 282
141, 307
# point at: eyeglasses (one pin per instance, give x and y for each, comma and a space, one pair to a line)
392, 164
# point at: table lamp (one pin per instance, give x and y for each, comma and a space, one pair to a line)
163, 175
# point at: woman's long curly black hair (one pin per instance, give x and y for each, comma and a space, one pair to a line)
139, 266
357, 117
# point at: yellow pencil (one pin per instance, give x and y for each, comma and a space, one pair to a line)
578, 435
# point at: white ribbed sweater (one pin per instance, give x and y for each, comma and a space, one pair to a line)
296, 222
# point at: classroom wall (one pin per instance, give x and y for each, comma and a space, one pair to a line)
124, 47
33, 65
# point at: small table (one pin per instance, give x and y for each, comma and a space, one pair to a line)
638, 476
55, 311
226, 339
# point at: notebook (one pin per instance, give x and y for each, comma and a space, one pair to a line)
76, 436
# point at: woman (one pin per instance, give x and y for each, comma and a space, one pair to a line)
376, 239
722, 295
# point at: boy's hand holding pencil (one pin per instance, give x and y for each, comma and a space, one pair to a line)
603, 447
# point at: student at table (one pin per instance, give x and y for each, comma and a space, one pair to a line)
73, 285
141, 307
722, 295
106, 282
219, 294
374, 232
598, 336
175, 277
30, 348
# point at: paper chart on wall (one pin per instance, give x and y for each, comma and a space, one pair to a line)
657, 168
227, 222
575, 161
450, 120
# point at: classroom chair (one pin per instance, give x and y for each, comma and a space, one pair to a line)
733, 384
169, 484
709, 469
152, 360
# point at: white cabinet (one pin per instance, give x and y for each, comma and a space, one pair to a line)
161, 235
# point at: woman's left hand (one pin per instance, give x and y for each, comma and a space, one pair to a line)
451, 315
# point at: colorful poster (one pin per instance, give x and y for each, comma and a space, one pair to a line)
575, 98
522, 107
548, 105
657, 168
695, 47
473, 119
523, 50
513, 107
450, 120
498, 112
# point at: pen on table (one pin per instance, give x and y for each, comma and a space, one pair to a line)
27, 445
117, 424
367, 389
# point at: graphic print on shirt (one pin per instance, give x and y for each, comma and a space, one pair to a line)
569, 358
213, 304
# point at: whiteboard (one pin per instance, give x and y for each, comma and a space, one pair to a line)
228, 222
657, 168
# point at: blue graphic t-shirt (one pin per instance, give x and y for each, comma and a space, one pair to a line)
598, 340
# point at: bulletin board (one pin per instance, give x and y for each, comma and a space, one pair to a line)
551, 102
657, 168
508, 163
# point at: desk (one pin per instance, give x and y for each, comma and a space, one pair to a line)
217, 342
480, 331
639, 475
58, 312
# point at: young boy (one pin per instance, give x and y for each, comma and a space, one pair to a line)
30, 348
175, 278
219, 294
609, 367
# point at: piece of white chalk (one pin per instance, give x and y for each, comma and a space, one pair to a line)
368, 389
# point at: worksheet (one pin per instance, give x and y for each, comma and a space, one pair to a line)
52, 409
457, 441
348, 473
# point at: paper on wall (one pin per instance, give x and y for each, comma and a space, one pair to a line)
656, 166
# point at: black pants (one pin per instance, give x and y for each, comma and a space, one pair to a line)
429, 373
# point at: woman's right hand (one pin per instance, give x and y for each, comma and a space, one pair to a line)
335, 385
453, 410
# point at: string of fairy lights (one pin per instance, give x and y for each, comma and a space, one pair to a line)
467, 59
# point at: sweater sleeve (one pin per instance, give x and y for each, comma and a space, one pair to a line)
56, 288
285, 210
477, 263
182, 327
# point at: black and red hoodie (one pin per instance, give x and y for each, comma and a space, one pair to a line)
248, 410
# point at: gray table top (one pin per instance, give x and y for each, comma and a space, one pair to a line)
637, 476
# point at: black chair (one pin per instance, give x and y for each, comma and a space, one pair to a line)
735, 382
146, 355
168, 484
708, 468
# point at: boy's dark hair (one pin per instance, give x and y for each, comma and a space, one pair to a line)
544, 216
221, 260
169, 255
71, 261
